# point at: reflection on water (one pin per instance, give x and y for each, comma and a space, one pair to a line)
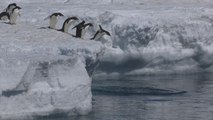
195, 104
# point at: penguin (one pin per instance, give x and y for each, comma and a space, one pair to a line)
54, 19
4, 16
101, 32
79, 29
10, 7
14, 14
85, 28
67, 23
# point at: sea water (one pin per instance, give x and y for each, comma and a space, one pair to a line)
174, 97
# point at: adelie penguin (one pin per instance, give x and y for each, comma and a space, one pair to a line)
100, 33
79, 29
14, 14
67, 24
54, 19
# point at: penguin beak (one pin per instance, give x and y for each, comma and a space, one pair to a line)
75, 18
19, 7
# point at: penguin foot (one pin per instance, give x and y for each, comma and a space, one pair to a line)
43, 28
12, 23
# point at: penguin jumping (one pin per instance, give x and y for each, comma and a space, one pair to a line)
14, 14
54, 19
79, 29
100, 33
67, 23
4, 16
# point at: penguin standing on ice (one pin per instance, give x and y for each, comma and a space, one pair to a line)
4, 16
10, 7
79, 29
100, 33
14, 14
54, 19
67, 24
85, 28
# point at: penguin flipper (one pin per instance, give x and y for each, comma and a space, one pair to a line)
94, 35
43, 28
75, 27
100, 27
48, 17
61, 30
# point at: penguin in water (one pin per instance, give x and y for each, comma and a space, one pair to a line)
4, 16
67, 23
100, 33
85, 28
10, 7
14, 14
79, 29
54, 19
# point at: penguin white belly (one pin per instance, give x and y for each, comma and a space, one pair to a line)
84, 31
99, 35
13, 16
67, 26
53, 22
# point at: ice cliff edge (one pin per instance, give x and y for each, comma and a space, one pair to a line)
45, 74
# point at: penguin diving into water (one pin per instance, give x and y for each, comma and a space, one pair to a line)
100, 33
14, 14
54, 19
4, 16
67, 24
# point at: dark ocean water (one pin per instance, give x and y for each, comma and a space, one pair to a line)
152, 98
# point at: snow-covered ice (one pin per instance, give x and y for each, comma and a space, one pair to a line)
45, 71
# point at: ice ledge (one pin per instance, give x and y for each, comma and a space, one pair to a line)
54, 84
43, 72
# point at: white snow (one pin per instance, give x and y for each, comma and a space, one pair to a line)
149, 37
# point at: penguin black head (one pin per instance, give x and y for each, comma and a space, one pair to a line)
82, 22
72, 18
12, 4
89, 24
57, 14
17, 7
